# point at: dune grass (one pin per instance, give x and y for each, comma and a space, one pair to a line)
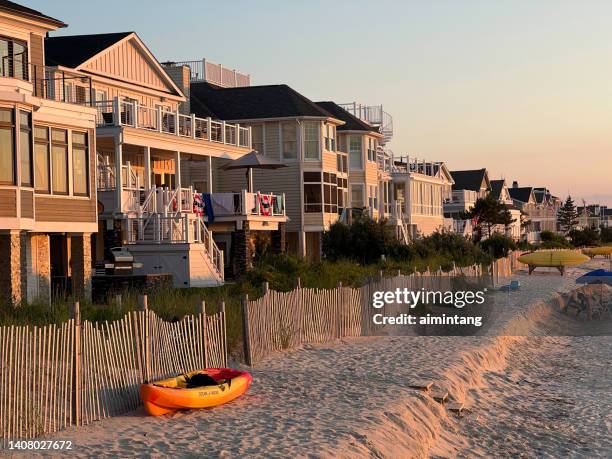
280, 271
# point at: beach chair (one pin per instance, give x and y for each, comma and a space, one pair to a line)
513, 286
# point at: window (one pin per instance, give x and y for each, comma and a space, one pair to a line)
101, 96
59, 161
41, 159
371, 150
257, 139
311, 140
7, 147
330, 137
13, 59
313, 198
355, 153
357, 196
342, 187
25, 147
80, 184
373, 198
289, 140
330, 192
81, 94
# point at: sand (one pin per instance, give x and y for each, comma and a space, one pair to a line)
530, 394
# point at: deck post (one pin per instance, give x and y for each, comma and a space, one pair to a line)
118, 174
75, 315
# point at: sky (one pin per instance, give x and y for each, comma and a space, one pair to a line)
523, 88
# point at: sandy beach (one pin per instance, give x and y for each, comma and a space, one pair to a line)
539, 394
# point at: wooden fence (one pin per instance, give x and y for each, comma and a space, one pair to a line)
279, 321
78, 372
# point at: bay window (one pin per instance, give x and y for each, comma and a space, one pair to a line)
7, 146
313, 198
41, 160
59, 161
355, 152
289, 140
80, 184
312, 131
25, 147
330, 192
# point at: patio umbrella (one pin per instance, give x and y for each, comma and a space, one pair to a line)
250, 161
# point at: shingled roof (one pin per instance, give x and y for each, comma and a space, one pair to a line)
71, 51
11, 7
521, 194
469, 180
496, 187
252, 102
351, 122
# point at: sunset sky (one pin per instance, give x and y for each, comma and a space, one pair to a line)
523, 88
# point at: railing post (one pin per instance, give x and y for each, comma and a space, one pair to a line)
237, 138
158, 113
176, 122
244, 208
117, 111
209, 129
75, 314
63, 86
135, 114
193, 124
222, 130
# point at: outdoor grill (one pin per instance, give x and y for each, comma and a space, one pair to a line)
122, 262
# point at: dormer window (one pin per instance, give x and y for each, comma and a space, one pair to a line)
13, 59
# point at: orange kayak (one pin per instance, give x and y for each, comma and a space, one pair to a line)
198, 389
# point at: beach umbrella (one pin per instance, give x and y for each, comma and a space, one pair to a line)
250, 161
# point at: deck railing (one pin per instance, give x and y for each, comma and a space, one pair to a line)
248, 204
122, 112
49, 82
205, 70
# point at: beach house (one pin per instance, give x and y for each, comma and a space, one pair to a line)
468, 187
544, 216
157, 174
420, 189
523, 199
369, 178
500, 191
48, 207
288, 128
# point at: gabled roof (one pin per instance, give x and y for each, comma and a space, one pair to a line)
496, 187
473, 180
252, 102
74, 50
80, 52
351, 122
522, 194
26, 12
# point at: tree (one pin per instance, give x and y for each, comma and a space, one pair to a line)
567, 215
489, 212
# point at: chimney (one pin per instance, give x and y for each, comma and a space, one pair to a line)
515, 184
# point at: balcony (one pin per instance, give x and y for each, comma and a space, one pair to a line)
128, 113
216, 74
48, 82
246, 206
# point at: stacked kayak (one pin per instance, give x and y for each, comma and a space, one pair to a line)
592, 252
552, 259
199, 389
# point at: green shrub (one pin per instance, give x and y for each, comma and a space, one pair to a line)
550, 240
498, 245
583, 238
606, 235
